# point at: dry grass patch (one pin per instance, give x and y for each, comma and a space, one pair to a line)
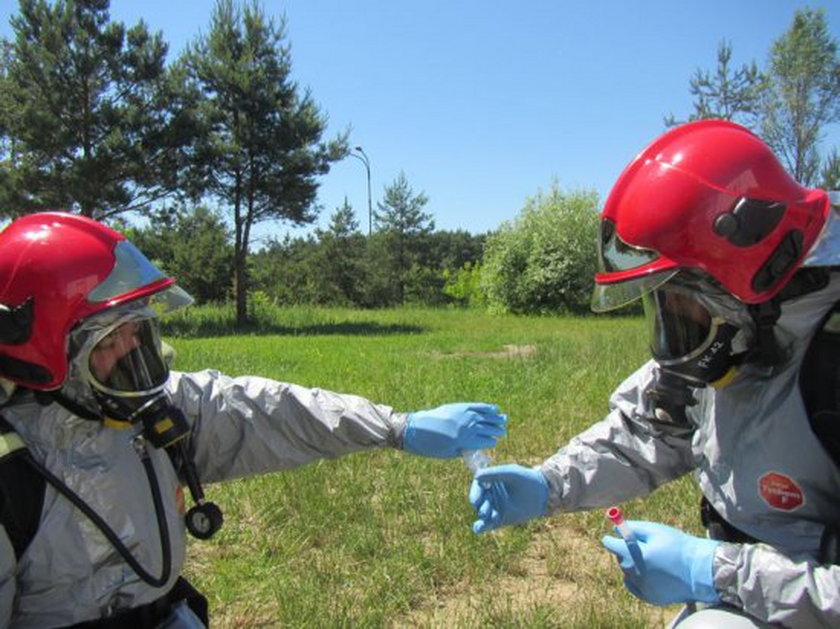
532, 582
507, 352
563, 574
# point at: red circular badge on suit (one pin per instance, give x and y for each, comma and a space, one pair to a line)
179, 500
780, 491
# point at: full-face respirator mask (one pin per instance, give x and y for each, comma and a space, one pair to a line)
699, 335
119, 355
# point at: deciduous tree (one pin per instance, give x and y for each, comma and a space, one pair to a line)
544, 260
804, 94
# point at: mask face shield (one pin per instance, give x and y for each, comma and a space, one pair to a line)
117, 355
126, 358
693, 334
678, 325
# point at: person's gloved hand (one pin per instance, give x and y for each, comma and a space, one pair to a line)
675, 567
446, 431
507, 494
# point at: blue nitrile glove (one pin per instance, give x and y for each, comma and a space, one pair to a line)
676, 567
446, 431
507, 494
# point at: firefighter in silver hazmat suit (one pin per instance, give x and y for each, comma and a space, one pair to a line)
738, 269
91, 405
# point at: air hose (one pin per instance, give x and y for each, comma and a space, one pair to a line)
107, 531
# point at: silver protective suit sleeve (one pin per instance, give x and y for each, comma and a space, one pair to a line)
619, 458
250, 425
803, 592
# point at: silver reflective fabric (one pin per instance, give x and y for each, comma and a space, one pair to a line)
755, 459
826, 250
241, 426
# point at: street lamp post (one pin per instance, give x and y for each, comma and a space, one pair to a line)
362, 157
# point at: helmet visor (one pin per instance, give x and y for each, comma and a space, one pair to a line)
615, 255
131, 271
680, 327
611, 296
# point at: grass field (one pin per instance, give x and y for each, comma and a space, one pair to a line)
382, 538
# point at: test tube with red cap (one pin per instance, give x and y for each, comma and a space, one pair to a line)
617, 518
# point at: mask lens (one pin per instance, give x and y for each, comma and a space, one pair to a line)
128, 359
678, 324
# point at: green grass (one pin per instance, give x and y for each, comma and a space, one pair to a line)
382, 538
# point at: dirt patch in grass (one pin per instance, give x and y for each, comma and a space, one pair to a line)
530, 584
562, 571
507, 352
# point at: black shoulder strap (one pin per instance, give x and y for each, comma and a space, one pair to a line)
766, 314
819, 383
23, 485
21, 490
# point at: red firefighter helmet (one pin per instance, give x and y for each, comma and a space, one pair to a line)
708, 196
56, 269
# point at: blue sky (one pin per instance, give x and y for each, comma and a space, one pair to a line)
484, 103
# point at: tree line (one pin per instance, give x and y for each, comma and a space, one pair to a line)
407, 262
543, 261
95, 119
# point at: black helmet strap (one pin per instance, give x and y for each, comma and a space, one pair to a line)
766, 314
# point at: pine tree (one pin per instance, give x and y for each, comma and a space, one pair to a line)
91, 119
403, 227
727, 94
341, 250
264, 153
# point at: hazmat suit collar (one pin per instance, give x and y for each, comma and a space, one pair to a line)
826, 250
